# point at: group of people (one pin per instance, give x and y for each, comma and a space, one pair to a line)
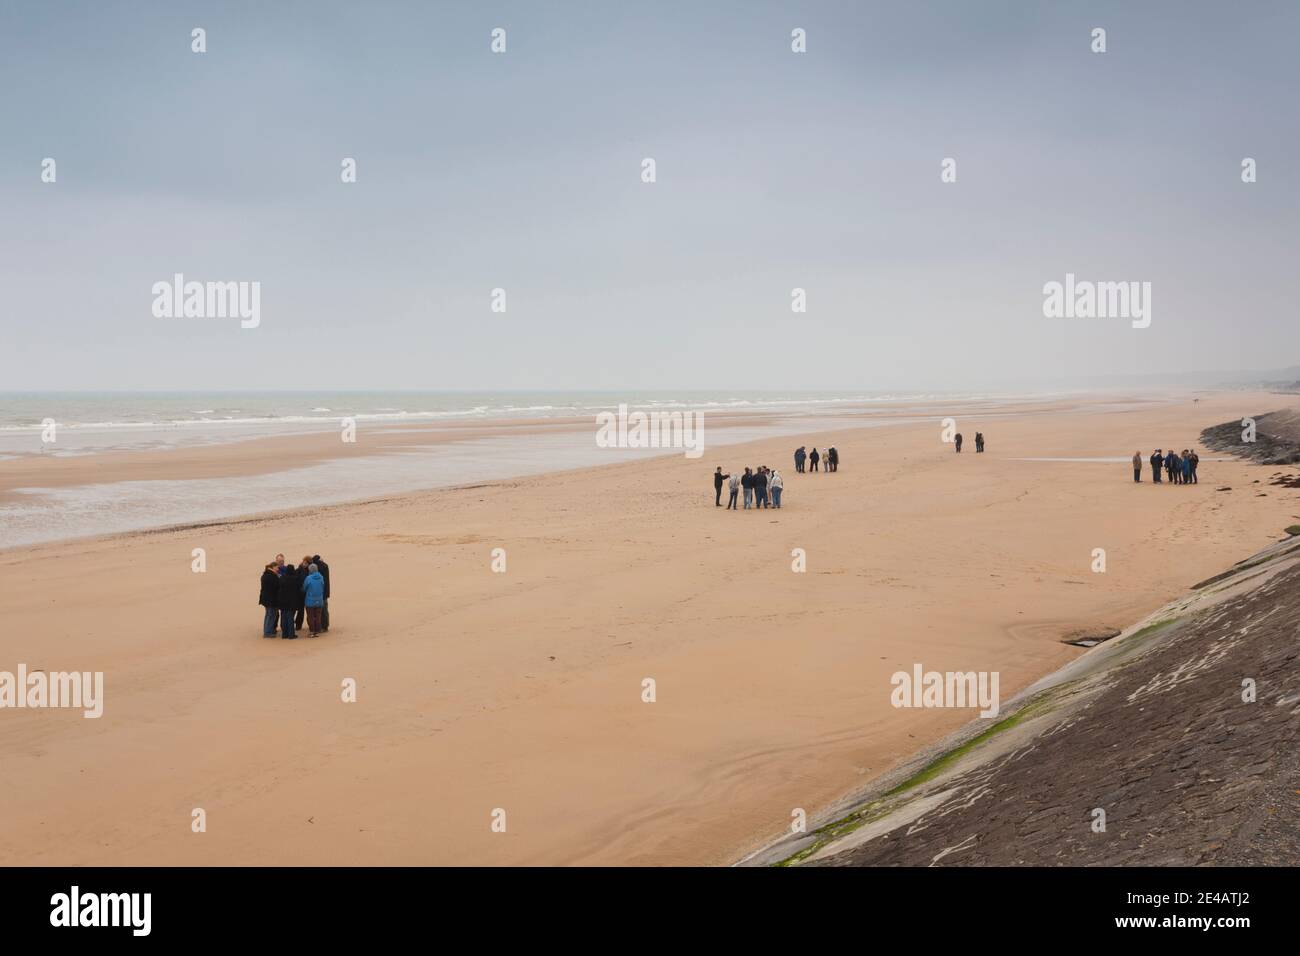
291, 595
762, 487
979, 442
831, 459
1179, 469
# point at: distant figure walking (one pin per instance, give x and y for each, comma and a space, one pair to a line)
718, 479
813, 459
1137, 466
747, 483
733, 486
269, 599
289, 596
799, 457
958, 441
1157, 458
777, 486
979, 443
313, 596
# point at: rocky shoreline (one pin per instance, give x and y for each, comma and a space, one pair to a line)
1276, 438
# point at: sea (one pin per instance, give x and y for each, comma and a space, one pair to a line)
95, 423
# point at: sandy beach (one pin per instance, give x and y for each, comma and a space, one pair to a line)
522, 690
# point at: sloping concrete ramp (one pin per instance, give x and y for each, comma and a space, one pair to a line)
1176, 743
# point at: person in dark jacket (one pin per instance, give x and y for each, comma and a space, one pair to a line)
832, 459
269, 599
958, 442
325, 608
813, 459
718, 479
799, 456
747, 485
300, 614
760, 488
290, 595
1157, 458
1196, 460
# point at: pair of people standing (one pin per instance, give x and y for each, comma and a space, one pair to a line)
754, 484
294, 594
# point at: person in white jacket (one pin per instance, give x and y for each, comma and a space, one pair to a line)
733, 485
775, 485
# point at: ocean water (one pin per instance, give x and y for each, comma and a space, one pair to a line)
92, 423
95, 421
26, 410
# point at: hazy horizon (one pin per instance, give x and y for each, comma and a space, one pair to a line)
522, 171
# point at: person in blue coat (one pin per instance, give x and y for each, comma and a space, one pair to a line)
313, 589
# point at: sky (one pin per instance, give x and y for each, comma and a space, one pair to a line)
522, 170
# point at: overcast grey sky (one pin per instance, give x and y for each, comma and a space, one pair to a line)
522, 170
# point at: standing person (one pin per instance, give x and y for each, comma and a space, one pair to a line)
1137, 466
734, 486
301, 612
799, 456
1187, 467
813, 459
1157, 457
979, 443
747, 483
1196, 460
1169, 466
760, 488
313, 598
832, 459
718, 479
777, 487
289, 596
325, 608
269, 599
279, 563
958, 441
